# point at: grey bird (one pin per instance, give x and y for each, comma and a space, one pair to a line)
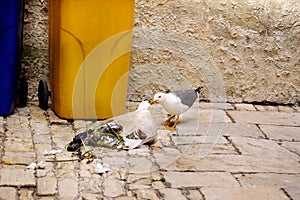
176, 103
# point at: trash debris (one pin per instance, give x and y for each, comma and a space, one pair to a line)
52, 152
101, 168
132, 143
88, 155
126, 131
4, 162
40, 165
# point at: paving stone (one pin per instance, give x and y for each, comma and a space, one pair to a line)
292, 147
18, 145
245, 130
223, 106
293, 191
48, 171
125, 198
143, 177
116, 163
288, 133
194, 194
54, 119
157, 185
68, 188
166, 156
66, 173
36, 113
88, 196
8, 193
234, 164
226, 129
62, 135
194, 117
266, 108
47, 198
117, 189
82, 125
163, 138
265, 180
40, 127
194, 149
16, 133
26, 194
12, 122
271, 118
17, 177
42, 139
91, 184
19, 157
201, 128
18, 128
171, 194
147, 194
179, 140
141, 151
200, 179
140, 165
285, 109
41, 148
244, 107
243, 193
262, 148
46, 186
139, 181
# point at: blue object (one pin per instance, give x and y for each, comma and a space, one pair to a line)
11, 22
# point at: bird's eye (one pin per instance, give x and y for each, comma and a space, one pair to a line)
159, 96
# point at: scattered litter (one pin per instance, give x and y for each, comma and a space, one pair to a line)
88, 155
4, 162
132, 143
52, 152
126, 131
101, 168
40, 165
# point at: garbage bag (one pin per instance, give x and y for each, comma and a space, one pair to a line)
126, 131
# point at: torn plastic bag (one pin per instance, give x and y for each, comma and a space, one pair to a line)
126, 131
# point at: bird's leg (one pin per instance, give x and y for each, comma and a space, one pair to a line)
173, 127
168, 121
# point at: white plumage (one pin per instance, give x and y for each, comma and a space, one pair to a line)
175, 103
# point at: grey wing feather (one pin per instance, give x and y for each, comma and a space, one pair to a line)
188, 97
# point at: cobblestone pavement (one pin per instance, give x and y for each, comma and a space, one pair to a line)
256, 156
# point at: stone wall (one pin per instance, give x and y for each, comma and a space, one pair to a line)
239, 50
35, 60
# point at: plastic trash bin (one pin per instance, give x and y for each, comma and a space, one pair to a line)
90, 43
11, 22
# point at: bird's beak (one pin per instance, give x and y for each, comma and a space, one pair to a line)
153, 102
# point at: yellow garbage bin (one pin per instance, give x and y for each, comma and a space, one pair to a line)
90, 43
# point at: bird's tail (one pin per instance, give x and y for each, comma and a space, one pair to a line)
198, 90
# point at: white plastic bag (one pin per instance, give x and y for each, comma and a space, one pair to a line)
127, 131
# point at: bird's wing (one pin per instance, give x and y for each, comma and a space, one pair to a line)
187, 97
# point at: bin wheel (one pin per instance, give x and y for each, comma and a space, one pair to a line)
43, 94
22, 92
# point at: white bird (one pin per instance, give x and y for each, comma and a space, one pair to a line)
175, 103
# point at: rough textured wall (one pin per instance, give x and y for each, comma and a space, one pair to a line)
255, 46
35, 59
245, 51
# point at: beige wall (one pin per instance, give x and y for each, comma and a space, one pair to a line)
239, 50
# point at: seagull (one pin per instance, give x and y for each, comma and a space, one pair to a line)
175, 103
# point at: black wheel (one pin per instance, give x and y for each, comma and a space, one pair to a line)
22, 92
43, 94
